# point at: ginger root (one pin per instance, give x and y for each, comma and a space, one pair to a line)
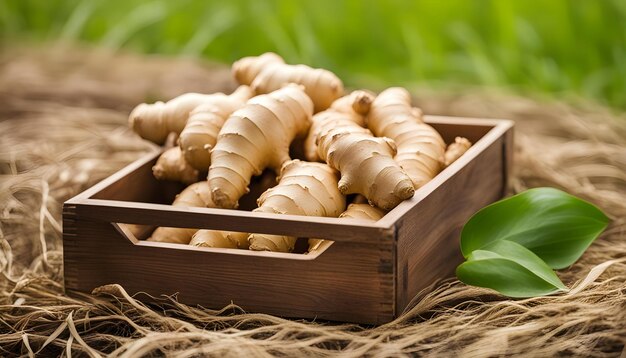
232, 239
269, 72
171, 165
255, 137
365, 162
354, 211
225, 239
352, 107
198, 135
204, 123
363, 211
155, 122
199, 195
456, 150
420, 148
247, 69
304, 188
195, 195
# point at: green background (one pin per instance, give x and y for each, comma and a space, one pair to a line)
566, 49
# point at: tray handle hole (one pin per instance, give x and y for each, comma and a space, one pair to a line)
138, 235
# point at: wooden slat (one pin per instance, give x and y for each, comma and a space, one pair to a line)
466, 121
348, 230
126, 232
133, 167
508, 149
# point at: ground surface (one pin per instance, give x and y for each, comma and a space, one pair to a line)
63, 127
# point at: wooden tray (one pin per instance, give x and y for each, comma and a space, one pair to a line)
368, 274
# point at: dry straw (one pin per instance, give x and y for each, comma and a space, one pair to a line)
63, 128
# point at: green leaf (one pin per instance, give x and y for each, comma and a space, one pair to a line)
554, 225
510, 269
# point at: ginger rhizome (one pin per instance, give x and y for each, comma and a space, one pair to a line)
366, 162
231, 239
363, 212
256, 137
204, 124
197, 133
199, 195
352, 107
420, 148
456, 150
155, 122
223, 239
354, 211
304, 188
269, 72
195, 195
171, 165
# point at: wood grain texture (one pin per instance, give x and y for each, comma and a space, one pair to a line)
348, 282
136, 183
367, 275
428, 235
231, 220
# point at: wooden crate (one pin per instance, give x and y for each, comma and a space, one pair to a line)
368, 274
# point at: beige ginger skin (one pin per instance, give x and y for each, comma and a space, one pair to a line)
363, 212
304, 188
223, 239
199, 195
355, 211
456, 150
231, 239
352, 107
171, 165
197, 118
269, 72
420, 148
155, 122
256, 137
195, 195
204, 123
366, 162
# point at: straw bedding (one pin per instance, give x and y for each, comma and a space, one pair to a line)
63, 128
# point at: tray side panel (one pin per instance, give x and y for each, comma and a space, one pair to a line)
449, 131
136, 183
348, 282
428, 234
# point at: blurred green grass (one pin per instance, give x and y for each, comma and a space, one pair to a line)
559, 47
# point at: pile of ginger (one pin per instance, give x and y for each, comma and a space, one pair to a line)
376, 146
